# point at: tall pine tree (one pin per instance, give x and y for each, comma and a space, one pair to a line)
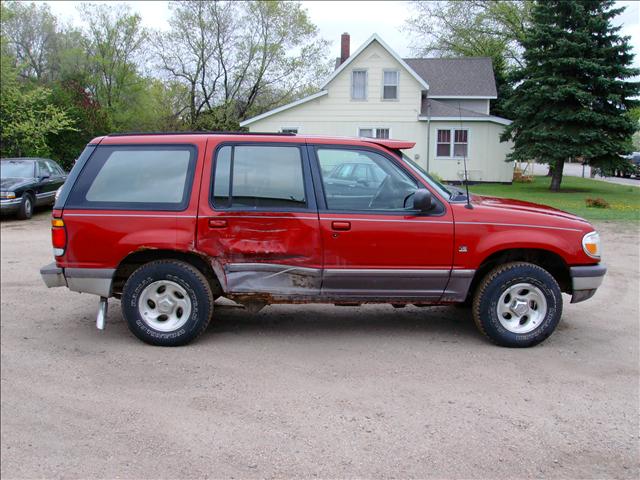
573, 94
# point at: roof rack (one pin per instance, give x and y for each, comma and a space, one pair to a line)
201, 132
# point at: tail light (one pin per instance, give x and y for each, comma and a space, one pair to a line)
58, 236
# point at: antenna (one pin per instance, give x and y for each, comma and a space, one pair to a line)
464, 160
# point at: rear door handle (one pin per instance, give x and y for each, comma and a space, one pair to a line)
341, 225
213, 223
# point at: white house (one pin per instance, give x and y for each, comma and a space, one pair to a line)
440, 103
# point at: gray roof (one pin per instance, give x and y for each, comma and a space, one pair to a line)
440, 109
467, 76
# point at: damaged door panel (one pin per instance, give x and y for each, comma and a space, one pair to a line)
274, 279
263, 228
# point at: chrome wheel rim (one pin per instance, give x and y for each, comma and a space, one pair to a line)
27, 206
522, 308
164, 306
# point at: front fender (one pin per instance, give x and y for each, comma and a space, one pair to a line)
482, 241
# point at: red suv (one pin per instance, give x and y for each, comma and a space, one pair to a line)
169, 222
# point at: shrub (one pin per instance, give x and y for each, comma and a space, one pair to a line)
597, 202
520, 177
436, 177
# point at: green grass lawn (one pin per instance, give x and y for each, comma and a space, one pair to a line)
624, 200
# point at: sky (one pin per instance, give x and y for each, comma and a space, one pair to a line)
359, 19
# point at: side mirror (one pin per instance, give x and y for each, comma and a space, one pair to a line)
45, 175
422, 200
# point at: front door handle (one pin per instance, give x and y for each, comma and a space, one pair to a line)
341, 226
213, 223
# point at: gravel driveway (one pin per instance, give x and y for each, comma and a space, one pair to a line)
315, 391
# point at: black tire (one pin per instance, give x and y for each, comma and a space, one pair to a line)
190, 279
25, 211
498, 281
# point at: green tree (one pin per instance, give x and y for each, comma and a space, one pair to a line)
573, 94
88, 121
113, 41
236, 59
474, 28
27, 116
30, 31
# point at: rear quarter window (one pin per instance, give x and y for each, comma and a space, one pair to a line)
133, 177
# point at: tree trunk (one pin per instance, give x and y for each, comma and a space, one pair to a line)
550, 172
556, 177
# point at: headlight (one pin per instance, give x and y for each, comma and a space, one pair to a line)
591, 244
7, 195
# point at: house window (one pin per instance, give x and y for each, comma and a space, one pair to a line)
452, 143
374, 132
460, 143
293, 130
359, 85
390, 85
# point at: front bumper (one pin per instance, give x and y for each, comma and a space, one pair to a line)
97, 281
585, 280
10, 205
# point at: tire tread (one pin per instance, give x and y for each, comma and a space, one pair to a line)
200, 278
500, 269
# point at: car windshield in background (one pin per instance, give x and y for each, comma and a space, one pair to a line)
423, 173
17, 169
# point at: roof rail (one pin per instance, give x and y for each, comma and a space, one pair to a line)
201, 132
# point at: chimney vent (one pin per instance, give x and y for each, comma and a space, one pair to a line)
345, 47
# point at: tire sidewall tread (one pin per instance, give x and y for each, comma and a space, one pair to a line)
489, 291
182, 273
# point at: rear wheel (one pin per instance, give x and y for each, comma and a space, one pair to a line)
517, 305
26, 207
167, 303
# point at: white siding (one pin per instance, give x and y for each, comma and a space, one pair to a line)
480, 106
486, 154
338, 103
336, 114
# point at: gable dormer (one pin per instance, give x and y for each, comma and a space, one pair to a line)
373, 74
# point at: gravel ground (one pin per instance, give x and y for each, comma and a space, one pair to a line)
315, 391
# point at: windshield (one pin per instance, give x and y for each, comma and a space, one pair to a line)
17, 168
423, 173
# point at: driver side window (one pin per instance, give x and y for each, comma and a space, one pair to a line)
363, 180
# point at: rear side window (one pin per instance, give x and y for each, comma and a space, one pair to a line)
149, 177
258, 176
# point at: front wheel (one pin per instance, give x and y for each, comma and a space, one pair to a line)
517, 305
167, 303
25, 211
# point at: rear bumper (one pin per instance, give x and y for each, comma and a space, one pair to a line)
585, 281
53, 276
97, 281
